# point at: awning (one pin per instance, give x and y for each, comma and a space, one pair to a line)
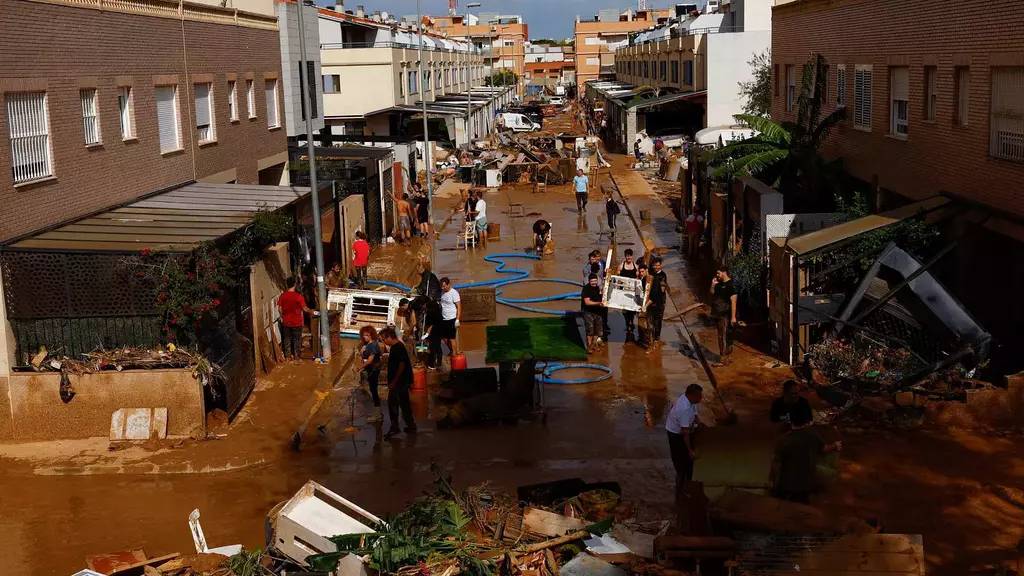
667, 98
813, 241
174, 221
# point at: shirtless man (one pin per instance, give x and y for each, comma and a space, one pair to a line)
405, 219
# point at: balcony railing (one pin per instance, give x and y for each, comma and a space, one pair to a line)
390, 44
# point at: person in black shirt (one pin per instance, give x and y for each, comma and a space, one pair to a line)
611, 208
786, 405
656, 300
629, 269
592, 305
541, 235
399, 383
723, 308
428, 327
429, 285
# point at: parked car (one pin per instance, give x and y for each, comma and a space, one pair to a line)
557, 101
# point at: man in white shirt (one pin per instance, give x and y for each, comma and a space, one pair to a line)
681, 425
451, 313
481, 220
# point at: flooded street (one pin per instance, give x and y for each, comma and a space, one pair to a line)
946, 484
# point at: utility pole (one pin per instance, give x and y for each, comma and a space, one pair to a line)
321, 289
426, 135
469, 77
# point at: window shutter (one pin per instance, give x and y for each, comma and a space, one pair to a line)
862, 97
90, 123
167, 118
1007, 124
900, 83
271, 89
30, 137
202, 105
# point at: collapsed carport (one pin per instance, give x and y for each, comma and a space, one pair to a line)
70, 290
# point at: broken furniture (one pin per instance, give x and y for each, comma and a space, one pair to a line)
303, 525
358, 308
199, 539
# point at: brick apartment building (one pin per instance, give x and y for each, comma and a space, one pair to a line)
106, 103
596, 40
935, 101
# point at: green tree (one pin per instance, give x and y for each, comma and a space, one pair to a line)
786, 154
758, 90
503, 77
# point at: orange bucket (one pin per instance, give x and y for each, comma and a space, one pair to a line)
419, 379
458, 362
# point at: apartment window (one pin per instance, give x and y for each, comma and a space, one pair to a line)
675, 71
30, 136
841, 86
790, 87
413, 88
272, 109
204, 112
401, 84
426, 79
168, 118
232, 101
1007, 115
90, 118
899, 100
862, 96
125, 112
931, 96
438, 83
332, 83
962, 79
593, 61
664, 71
688, 72
250, 98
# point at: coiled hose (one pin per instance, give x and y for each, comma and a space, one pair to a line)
517, 276
551, 368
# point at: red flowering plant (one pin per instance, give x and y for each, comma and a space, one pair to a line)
188, 288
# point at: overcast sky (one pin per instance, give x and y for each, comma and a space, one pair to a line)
545, 18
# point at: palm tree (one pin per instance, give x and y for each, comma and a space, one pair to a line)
787, 154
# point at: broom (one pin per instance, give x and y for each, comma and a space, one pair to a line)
730, 417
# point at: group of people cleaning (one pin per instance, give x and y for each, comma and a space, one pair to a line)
802, 458
647, 331
426, 323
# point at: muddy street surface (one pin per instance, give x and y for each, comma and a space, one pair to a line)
59, 503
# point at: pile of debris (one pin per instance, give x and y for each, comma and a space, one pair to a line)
126, 358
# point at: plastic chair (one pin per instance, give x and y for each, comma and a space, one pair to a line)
467, 236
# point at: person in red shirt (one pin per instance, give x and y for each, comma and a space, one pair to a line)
292, 306
360, 258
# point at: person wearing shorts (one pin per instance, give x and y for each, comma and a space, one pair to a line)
481, 220
592, 306
451, 312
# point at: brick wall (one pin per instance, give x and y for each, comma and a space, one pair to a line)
936, 155
61, 50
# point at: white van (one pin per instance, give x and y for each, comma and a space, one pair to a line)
518, 122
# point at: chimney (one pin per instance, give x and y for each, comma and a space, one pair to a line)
361, 11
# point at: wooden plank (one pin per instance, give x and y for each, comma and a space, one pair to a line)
544, 523
867, 554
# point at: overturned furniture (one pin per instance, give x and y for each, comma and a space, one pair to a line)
303, 525
358, 308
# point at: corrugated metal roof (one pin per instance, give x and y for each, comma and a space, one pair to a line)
174, 221
825, 237
664, 99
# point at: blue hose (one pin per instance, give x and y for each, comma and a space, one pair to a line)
517, 276
550, 369
401, 287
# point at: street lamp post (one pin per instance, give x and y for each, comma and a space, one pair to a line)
426, 135
469, 79
321, 289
